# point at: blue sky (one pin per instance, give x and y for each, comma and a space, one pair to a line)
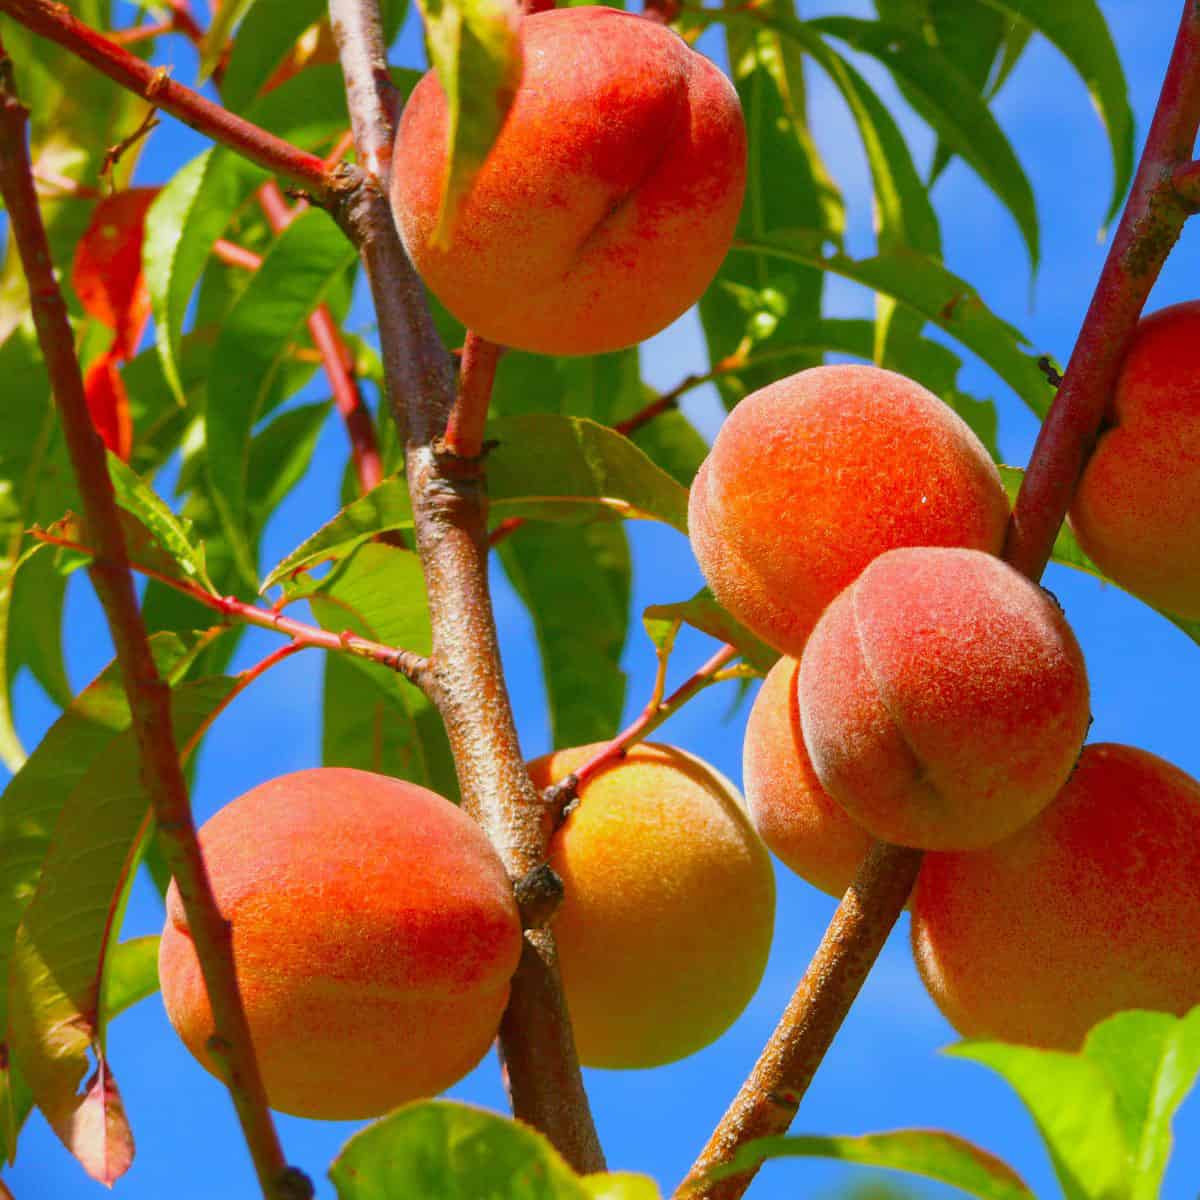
885, 1070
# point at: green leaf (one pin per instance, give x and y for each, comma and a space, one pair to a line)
268, 32
475, 48
929, 289
383, 509
576, 585
55, 1019
951, 106
219, 34
130, 975
255, 340
928, 1153
385, 724
1152, 1060
1078, 29
662, 622
560, 468
280, 457
1075, 1108
438, 1148
182, 224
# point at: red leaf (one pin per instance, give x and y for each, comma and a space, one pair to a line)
107, 272
108, 403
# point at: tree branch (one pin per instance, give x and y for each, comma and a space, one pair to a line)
468, 417
449, 513
149, 697
55, 22
1149, 227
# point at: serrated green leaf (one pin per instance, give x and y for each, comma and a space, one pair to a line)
938, 295
931, 1154
1075, 1108
255, 340
561, 468
268, 32
951, 106
702, 612
475, 48
56, 964
1078, 29
576, 585
182, 224
438, 1148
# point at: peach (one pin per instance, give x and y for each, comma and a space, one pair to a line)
943, 698
374, 935
606, 204
800, 822
670, 900
1091, 909
813, 476
1136, 512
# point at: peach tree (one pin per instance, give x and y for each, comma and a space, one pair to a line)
178, 328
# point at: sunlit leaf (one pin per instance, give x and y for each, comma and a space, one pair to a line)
702, 612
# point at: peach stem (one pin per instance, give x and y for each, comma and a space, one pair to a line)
468, 417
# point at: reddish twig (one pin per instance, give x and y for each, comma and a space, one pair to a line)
1150, 225
236, 256
1186, 181
468, 417
56, 23
335, 359
1148, 229
149, 697
448, 503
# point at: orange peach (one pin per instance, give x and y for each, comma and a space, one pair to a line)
812, 477
670, 900
374, 934
943, 698
606, 204
1092, 908
800, 822
1137, 509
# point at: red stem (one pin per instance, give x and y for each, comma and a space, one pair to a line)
56, 23
468, 417
149, 697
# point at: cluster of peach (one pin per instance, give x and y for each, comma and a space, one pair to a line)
933, 697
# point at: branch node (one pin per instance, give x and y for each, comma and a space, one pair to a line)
293, 1184
560, 799
538, 896
1047, 368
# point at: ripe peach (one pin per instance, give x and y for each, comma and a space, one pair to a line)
943, 698
812, 477
606, 204
800, 822
670, 902
1137, 509
374, 932
1092, 908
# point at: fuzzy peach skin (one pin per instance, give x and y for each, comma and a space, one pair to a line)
374, 933
813, 476
606, 204
1137, 509
670, 902
1091, 909
802, 825
943, 698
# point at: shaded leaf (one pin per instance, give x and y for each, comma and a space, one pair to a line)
219, 34
438, 1148
130, 975
929, 1153
662, 622
475, 48
267, 35
576, 585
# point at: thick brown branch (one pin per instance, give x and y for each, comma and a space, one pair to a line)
448, 502
149, 697
1150, 225
1148, 229
55, 22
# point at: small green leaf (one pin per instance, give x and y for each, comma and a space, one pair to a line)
219, 34
702, 612
561, 468
438, 1148
475, 48
576, 585
256, 339
130, 975
928, 1153
1075, 1108
267, 34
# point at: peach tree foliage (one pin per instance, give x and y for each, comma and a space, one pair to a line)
194, 359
